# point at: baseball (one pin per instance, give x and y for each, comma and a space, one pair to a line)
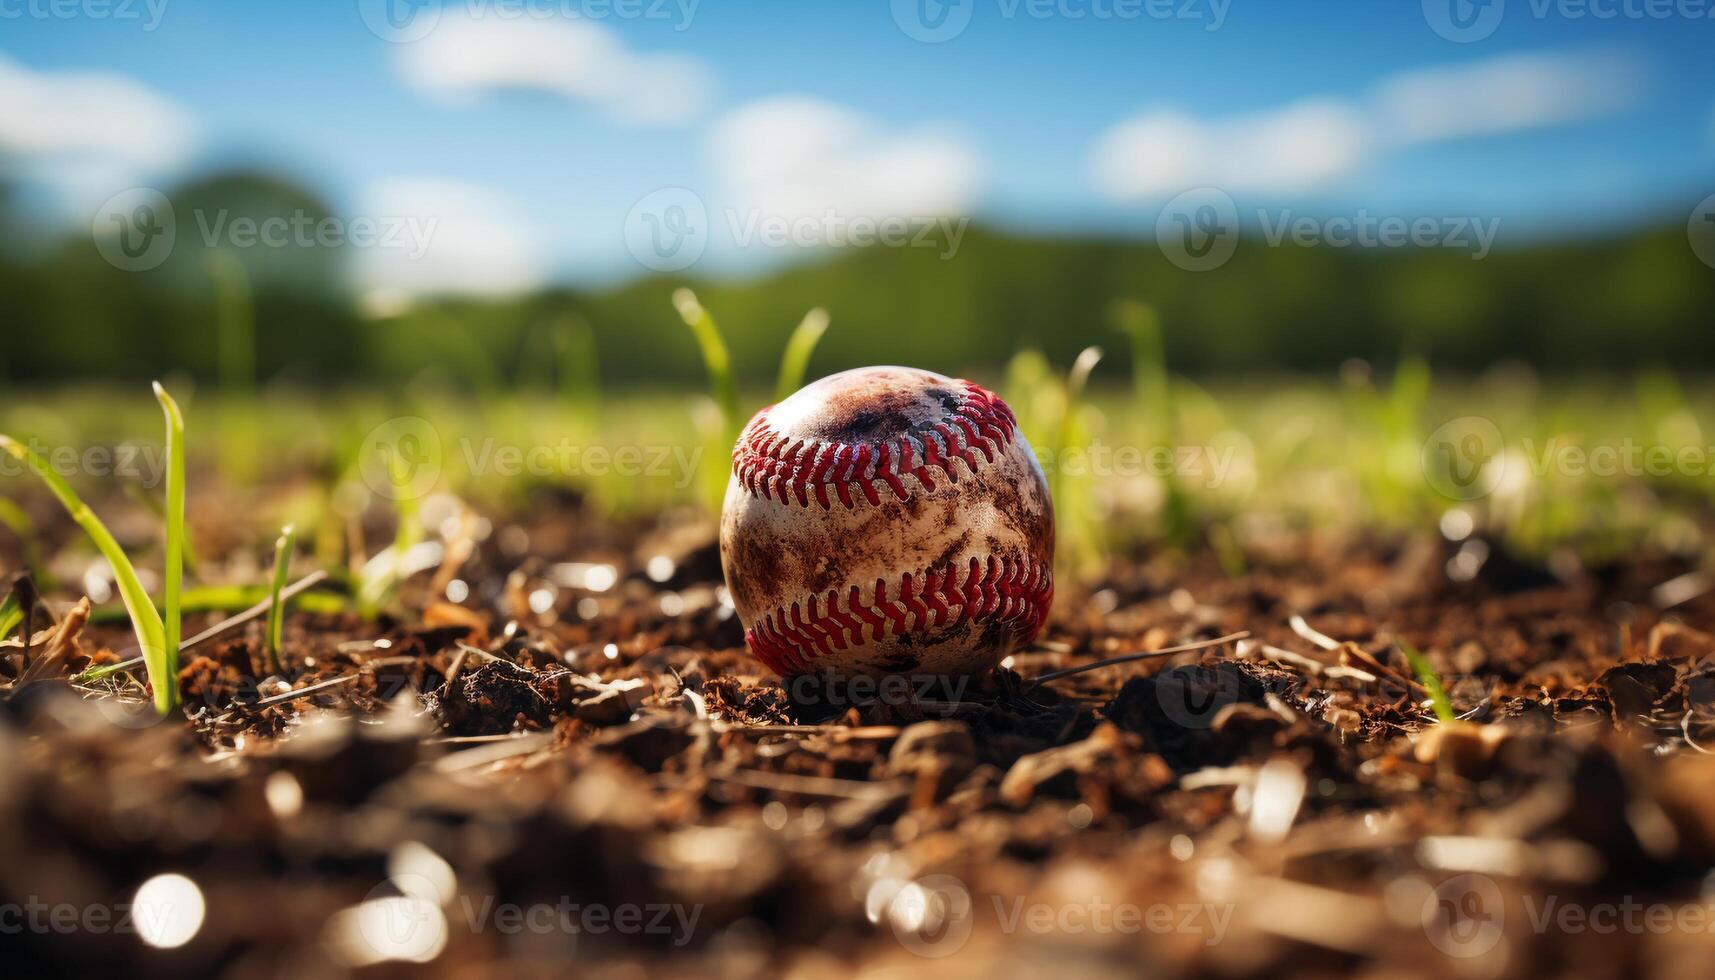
887, 520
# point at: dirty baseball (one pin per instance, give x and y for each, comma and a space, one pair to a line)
887, 520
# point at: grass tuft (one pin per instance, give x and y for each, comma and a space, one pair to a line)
795, 360
277, 614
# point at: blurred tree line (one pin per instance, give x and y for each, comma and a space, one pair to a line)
1581, 306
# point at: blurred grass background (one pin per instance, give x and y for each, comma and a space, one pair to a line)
1632, 300
1295, 389
1252, 462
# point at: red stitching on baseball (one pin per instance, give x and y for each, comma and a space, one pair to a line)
1013, 592
796, 471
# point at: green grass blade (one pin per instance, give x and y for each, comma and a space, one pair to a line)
715, 355
145, 620
164, 676
1427, 676
795, 361
718, 440
1079, 378
1072, 494
1227, 550
14, 517
232, 598
94, 674
276, 614
11, 615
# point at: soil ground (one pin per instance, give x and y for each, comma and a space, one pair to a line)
560, 773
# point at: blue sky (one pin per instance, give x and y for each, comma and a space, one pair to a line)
1013, 107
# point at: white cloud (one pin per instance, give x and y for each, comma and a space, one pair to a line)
797, 156
1505, 94
467, 56
97, 113
1315, 142
1294, 148
87, 135
441, 236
